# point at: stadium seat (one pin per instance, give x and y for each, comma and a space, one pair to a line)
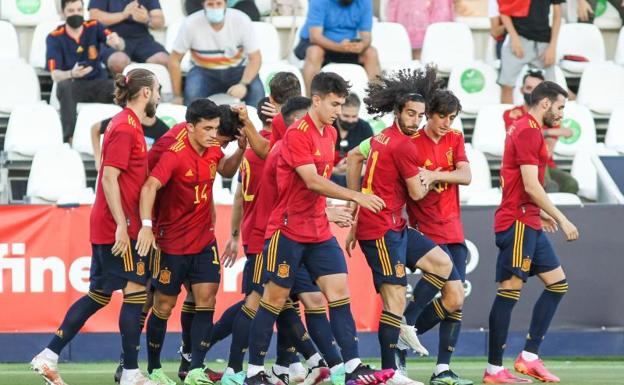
354, 74
9, 44
264, 6
29, 13
491, 197
579, 119
268, 37
584, 171
518, 98
32, 127
170, 37
223, 98
37, 57
565, 199
267, 70
475, 85
481, 177
489, 132
172, 10
220, 194
615, 132
378, 124
90, 113
19, 77
171, 114
410, 65
601, 87
490, 53
162, 74
392, 44
447, 44
292, 59
581, 39
55, 172
252, 112
383, 6
619, 49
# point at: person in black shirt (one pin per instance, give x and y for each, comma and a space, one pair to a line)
153, 129
351, 132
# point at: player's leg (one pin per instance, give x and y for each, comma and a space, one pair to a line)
186, 322
285, 354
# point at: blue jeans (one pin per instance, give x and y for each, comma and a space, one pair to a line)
202, 83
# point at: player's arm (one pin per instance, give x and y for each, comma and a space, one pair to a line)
538, 195
112, 193
415, 188
355, 165
145, 240
95, 142
228, 166
231, 247
461, 175
156, 19
257, 143
111, 18
175, 72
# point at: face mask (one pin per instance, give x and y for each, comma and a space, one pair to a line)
214, 15
527, 98
75, 21
347, 125
346, 3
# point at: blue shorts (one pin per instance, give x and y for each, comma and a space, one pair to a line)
110, 272
138, 49
284, 257
253, 273
418, 244
170, 271
523, 252
459, 255
386, 258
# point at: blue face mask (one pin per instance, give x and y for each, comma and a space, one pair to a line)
214, 15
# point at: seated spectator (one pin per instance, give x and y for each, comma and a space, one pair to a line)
555, 180
585, 9
153, 129
132, 21
225, 54
337, 31
247, 6
351, 132
497, 29
73, 59
530, 41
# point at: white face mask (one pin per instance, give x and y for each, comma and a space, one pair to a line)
214, 15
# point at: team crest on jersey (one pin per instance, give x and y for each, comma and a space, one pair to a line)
92, 52
165, 277
213, 170
400, 270
140, 268
449, 156
526, 264
283, 270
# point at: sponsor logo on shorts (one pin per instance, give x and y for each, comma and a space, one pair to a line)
283, 270
164, 277
526, 264
399, 268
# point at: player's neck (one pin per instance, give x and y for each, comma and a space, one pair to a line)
316, 120
138, 109
196, 146
537, 115
431, 134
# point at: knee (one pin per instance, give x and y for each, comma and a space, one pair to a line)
252, 301
394, 300
63, 87
560, 287
163, 308
275, 295
453, 299
441, 263
312, 300
315, 55
370, 55
206, 298
117, 62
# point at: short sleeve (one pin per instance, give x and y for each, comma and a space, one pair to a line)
316, 14
460, 150
250, 39
278, 129
493, 8
184, 39
153, 4
164, 168
527, 145
104, 124
366, 17
296, 149
54, 55
405, 159
99, 4
119, 143
365, 147
102, 33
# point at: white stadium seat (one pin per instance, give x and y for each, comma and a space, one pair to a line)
223, 98
32, 127
37, 57
619, 49
252, 112
9, 44
565, 199
29, 13
268, 37
447, 44
162, 74
481, 177
489, 132
172, 10
491, 197
89, 114
410, 65
170, 37
615, 132
267, 70
356, 75
21, 79
518, 98
584, 171
490, 53
171, 114
55, 173
601, 87
392, 43
475, 85
581, 39
579, 119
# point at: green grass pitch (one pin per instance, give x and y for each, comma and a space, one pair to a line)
572, 371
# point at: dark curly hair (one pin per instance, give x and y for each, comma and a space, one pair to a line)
390, 92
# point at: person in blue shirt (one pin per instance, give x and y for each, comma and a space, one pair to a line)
74, 61
337, 31
131, 19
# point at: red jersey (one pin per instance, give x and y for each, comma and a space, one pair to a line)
175, 134
518, 112
391, 161
185, 201
524, 145
302, 211
438, 214
251, 175
278, 129
123, 148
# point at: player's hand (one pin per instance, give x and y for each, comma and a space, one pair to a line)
129, 8
145, 241
550, 56
140, 14
341, 166
516, 48
231, 252
567, 132
340, 215
237, 91
79, 71
549, 224
269, 110
570, 231
583, 10
177, 100
113, 40
241, 111
356, 47
350, 242
428, 177
369, 201
122, 240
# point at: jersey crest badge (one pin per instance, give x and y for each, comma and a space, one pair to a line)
165, 277
283, 270
141, 268
526, 264
399, 268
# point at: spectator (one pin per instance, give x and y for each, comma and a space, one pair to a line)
555, 180
530, 41
337, 31
153, 129
73, 59
585, 9
351, 132
131, 20
225, 53
247, 6
497, 29
416, 15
